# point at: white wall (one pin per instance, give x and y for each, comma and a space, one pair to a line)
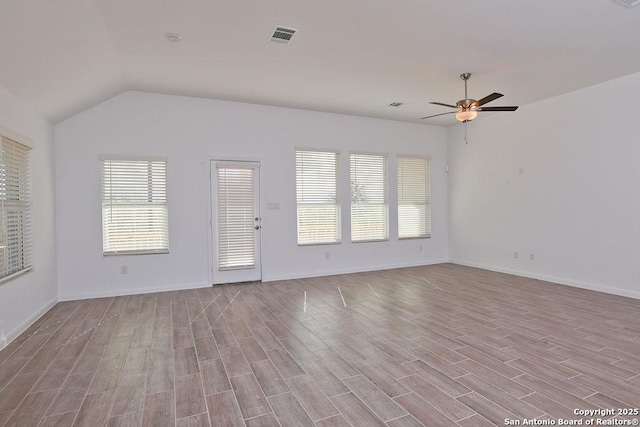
189, 131
25, 298
576, 205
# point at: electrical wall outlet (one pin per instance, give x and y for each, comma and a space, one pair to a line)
327, 255
124, 269
532, 257
420, 248
516, 254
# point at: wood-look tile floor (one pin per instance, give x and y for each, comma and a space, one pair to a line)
441, 345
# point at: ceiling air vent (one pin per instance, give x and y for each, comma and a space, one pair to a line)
628, 3
283, 34
396, 104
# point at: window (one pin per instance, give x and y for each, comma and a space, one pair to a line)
236, 216
414, 209
369, 198
134, 207
15, 209
317, 197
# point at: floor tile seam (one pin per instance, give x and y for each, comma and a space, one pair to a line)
235, 398
44, 414
501, 389
549, 398
586, 339
115, 328
403, 394
396, 418
553, 387
147, 395
588, 357
175, 391
321, 391
612, 346
613, 398
598, 369
266, 399
34, 353
493, 383
331, 416
537, 356
369, 407
625, 390
485, 366
431, 406
292, 358
198, 361
464, 394
527, 395
468, 416
361, 401
557, 387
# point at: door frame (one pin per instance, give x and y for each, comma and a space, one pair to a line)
211, 244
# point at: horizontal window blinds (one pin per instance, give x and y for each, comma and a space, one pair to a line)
15, 208
236, 217
317, 197
369, 198
134, 207
414, 209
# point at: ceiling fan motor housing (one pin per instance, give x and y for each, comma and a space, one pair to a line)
465, 104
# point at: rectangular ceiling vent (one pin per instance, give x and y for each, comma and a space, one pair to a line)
396, 104
628, 3
283, 34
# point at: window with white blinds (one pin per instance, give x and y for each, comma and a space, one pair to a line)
134, 207
236, 217
369, 198
414, 208
15, 209
317, 197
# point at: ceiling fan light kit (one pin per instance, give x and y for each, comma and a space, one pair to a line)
467, 109
466, 115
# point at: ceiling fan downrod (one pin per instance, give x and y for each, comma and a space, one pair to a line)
465, 77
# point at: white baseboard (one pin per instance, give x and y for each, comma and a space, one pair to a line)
132, 291
559, 280
273, 278
4, 341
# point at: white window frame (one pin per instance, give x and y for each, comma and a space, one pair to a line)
358, 195
16, 255
326, 203
158, 203
419, 203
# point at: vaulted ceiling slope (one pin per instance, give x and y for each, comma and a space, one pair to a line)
349, 56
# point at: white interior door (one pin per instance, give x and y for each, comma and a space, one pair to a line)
235, 213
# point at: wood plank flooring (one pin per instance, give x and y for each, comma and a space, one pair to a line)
441, 345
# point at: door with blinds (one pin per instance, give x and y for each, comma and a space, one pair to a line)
235, 225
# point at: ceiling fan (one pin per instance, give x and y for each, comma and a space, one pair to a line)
467, 109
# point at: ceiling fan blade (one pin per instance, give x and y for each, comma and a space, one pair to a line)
436, 115
497, 109
444, 105
488, 98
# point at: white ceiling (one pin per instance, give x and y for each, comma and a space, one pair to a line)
349, 56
